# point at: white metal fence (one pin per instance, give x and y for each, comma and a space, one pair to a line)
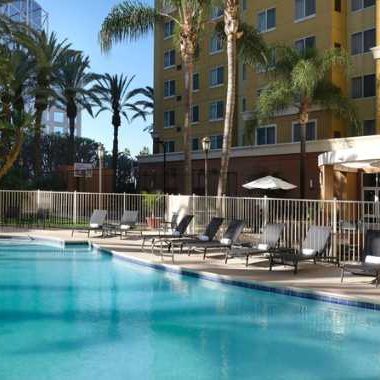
348, 220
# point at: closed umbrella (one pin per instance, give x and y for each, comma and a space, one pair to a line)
269, 183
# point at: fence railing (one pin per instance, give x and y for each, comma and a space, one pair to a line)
348, 219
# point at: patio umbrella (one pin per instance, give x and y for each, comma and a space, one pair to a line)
269, 183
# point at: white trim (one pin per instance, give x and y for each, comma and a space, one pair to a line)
305, 18
310, 121
266, 127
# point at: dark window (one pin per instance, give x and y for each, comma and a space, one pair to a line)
195, 144
357, 87
369, 86
266, 135
169, 58
169, 88
357, 43
369, 40
195, 81
305, 43
216, 142
169, 119
304, 8
169, 28
357, 5
311, 131
338, 5
369, 127
337, 45
195, 114
169, 146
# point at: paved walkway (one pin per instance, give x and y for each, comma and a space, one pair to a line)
321, 277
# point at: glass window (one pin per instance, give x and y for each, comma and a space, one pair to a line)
266, 135
305, 43
169, 88
169, 119
169, 28
266, 20
216, 142
244, 5
356, 87
243, 104
369, 85
58, 117
356, 43
216, 43
195, 114
304, 8
195, 144
169, 146
169, 58
369, 40
216, 76
369, 127
357, 5
311, 131
195, 81
216, 110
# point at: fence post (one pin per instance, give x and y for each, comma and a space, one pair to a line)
334, 227
75, 207
124, 201
38, 198
265, 210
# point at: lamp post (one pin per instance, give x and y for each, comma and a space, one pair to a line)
100, 157
157, 140
206, 145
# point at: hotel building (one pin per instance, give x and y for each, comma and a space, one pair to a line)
272, 149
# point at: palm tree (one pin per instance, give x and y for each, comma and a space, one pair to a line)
147, 104
133, 20
47, 52
73, 82
301, 79
15, 74
244, 40
116, 97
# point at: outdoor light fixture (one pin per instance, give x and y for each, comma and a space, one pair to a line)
158, 141
206, 146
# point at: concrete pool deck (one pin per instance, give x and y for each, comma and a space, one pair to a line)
320, 278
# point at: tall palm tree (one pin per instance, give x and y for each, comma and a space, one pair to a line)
133, 20
47, 52
147, 104
74, 82
301, 79
116, 97
245, 41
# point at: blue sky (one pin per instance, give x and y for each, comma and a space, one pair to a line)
79, 21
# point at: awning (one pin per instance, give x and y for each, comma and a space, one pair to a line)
269, 183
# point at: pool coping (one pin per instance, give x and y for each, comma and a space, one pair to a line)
266, 286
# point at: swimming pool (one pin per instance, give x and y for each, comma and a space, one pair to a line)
75, 313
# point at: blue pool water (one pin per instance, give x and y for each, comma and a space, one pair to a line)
77, 314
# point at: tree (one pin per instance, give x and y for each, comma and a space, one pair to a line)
147, 104
74, 81
133, 20
47, 53
301, 79
116, 97
15, 69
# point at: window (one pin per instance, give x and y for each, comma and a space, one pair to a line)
362, 42
169, 119
304, 9
169, 88
216, 43
357, 5
266, 135
58, 117
195, 114
169, 29
217, 12
338, 6
169, 58
363, 86
243, 71
60, 130
305, 43
195, 81
216, 110
311, 131
216, 76
216, 142
244, 5
369, 127
243, 104
195, 144
266, 20
169, 146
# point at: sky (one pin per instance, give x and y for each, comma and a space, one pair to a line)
79, 21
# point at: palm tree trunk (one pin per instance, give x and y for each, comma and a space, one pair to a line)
231, 20
188, 70
304, 118
13, 154
37, 143
72, 141
115, 154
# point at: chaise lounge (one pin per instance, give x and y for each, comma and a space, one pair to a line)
96, 223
